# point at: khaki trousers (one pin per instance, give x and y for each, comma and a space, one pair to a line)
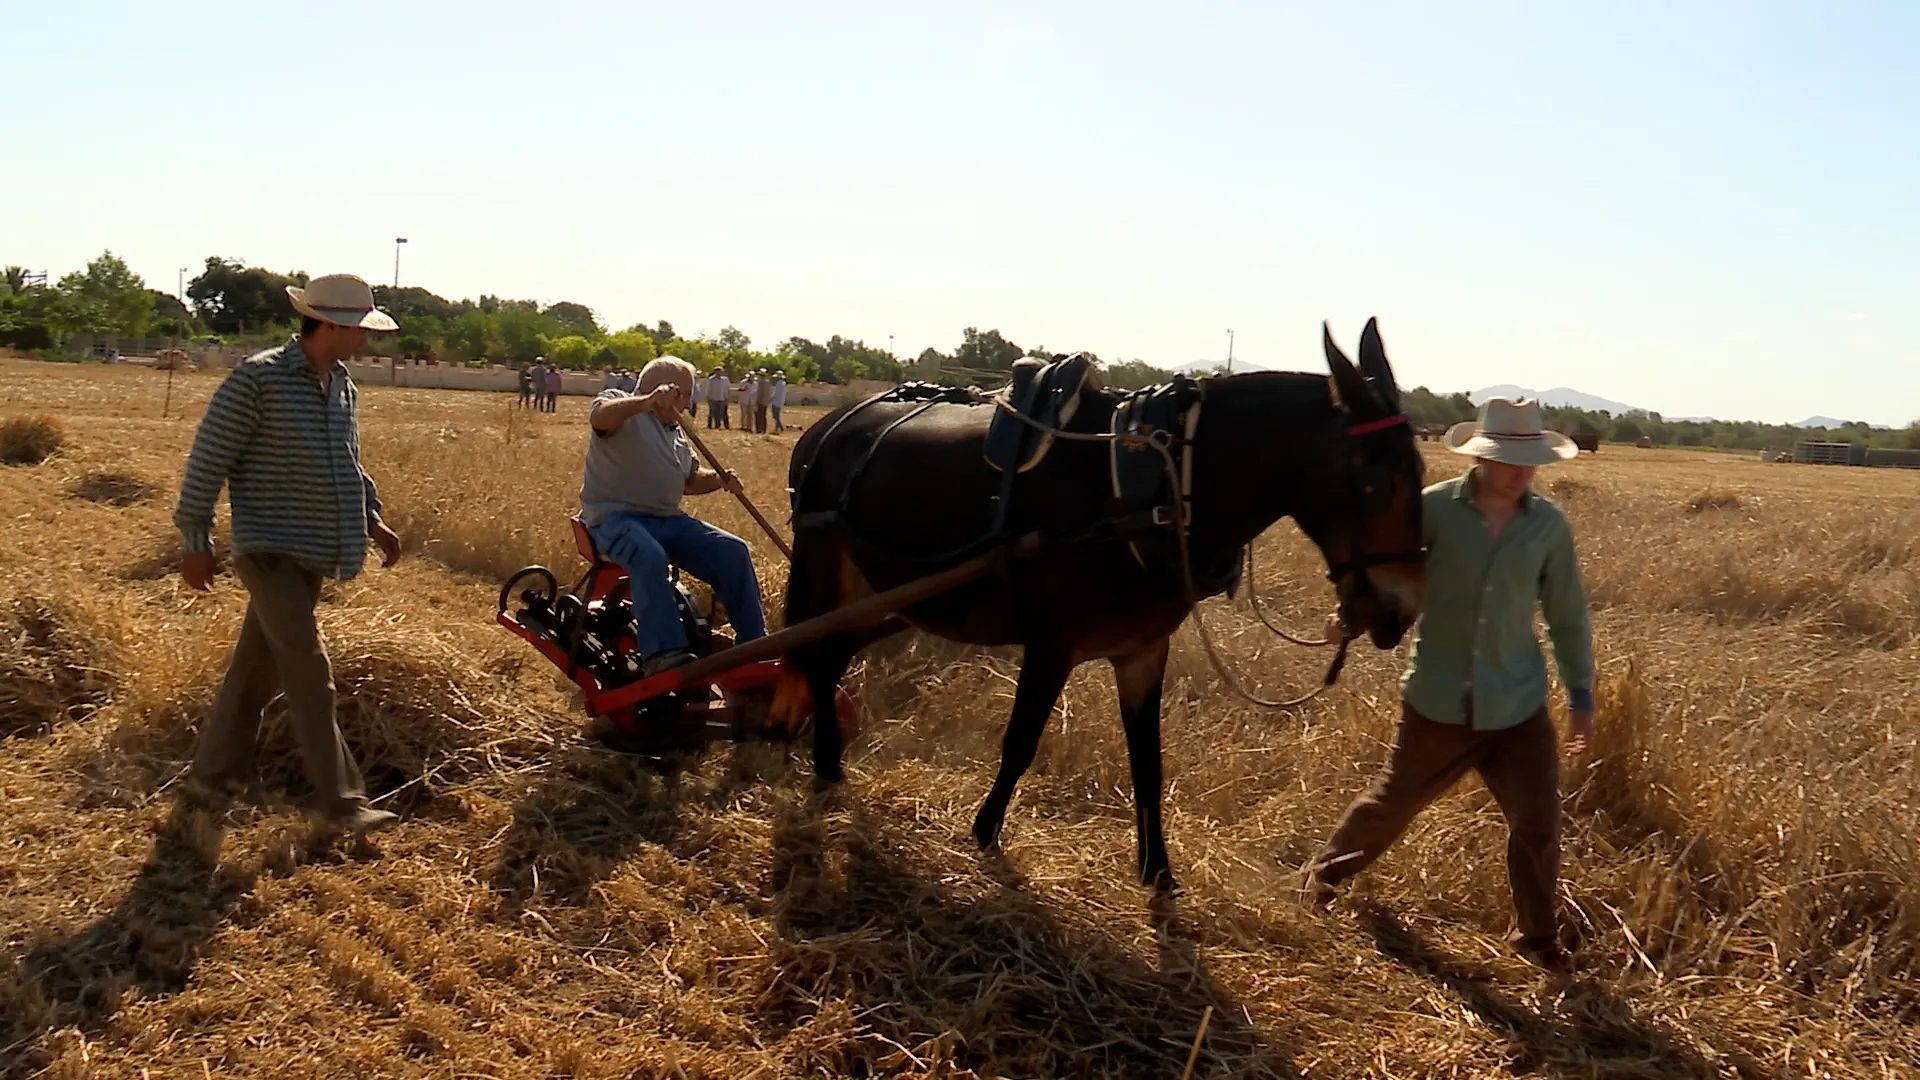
279, 651
1521, 768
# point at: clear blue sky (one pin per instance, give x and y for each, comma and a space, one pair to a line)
1702, 208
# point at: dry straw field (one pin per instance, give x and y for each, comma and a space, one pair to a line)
1741, 852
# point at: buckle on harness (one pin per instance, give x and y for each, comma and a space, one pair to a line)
1161, 515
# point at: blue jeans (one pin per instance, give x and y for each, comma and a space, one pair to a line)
643, 545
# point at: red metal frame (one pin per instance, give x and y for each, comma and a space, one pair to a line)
602, 701
604, 581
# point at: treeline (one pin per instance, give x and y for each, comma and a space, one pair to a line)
233, 303
1427, 408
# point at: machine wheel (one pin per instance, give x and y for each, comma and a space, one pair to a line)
541, 591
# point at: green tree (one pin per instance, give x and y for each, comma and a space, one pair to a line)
632, 348
846, 369
572, 351
703, 356
572, 318
471, 336
1133, 374
986, 350
106, 298
524, 333
233, 298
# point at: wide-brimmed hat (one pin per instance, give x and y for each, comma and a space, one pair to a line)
341, 299
1510, 431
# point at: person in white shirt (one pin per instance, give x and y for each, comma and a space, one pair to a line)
777, 395
749, 400
717, 387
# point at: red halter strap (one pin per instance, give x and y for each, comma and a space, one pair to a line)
1372, 426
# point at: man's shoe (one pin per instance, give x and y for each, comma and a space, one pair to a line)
664, 660
362, 820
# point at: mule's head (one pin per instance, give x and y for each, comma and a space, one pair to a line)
1362, 503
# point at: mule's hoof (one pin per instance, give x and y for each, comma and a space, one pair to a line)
1160, 881
825, 782
986, 832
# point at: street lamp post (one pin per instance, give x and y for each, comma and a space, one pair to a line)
1229, 352
397, 241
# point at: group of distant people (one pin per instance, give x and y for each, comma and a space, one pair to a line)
762, 392
539, 385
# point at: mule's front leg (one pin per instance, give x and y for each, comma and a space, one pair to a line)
1043, 674
1139, 677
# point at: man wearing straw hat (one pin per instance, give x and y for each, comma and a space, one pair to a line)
282, 436
1474, 695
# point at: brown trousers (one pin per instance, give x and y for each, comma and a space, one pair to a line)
1521, 768
279, 650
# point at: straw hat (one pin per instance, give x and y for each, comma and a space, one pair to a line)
1510, 431
341, 299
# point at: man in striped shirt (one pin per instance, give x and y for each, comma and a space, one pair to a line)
282, 435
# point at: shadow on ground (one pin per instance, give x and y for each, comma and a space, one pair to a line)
1590, 1034
151, 941
592, 808
886, 971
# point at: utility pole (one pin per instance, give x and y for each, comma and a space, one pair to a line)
1229, 352
397, 241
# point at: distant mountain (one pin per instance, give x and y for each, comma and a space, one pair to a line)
1558, 397
1239, 365
1821, 422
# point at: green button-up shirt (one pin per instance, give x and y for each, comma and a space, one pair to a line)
1475, 657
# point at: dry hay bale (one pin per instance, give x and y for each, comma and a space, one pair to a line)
30, 440
414, 705
1713, 498
112, 488
55, 664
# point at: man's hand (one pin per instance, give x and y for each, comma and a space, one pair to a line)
731, 481
388, 540
1579, 732
197, 568
664, 400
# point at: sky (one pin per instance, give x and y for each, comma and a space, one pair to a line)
1701, 208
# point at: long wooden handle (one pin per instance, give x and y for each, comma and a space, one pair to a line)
701, 446
862, 613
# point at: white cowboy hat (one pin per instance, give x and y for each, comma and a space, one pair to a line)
341, 299
1510, 431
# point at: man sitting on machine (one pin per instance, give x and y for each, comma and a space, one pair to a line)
638, 467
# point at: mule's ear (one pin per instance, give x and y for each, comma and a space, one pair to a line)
1350, 388
1373, 364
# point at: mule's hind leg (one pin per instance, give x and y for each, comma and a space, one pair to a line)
1139, 678
815, 587
823, 664
1043, 674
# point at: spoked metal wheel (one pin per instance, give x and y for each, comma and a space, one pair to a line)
541, 587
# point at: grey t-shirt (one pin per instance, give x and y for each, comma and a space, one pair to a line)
641, 466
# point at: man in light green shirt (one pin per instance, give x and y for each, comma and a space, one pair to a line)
1474, 695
